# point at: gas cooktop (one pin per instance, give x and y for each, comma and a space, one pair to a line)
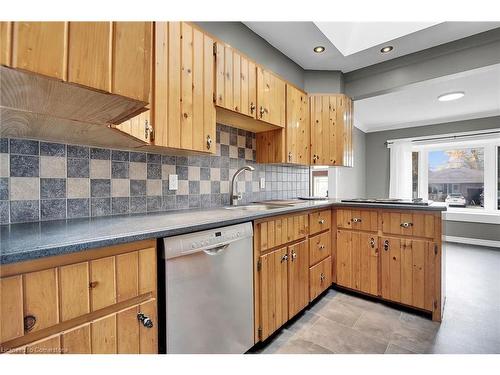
413, 202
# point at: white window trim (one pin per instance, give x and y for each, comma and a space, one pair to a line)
490, 213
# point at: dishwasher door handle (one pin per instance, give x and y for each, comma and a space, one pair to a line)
216, 250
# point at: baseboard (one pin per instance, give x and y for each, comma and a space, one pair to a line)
472, 241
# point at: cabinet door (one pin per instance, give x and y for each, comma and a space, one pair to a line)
320, 278
297, 126
323, 129
298, 277
104, 335
127, 276
368, 263
407, 271
102, 283
40, 47
319, 221
89, 54
344, 120
148, 336
344, 258
132, 56
11, 308
128, 331
270, 98
184, 110
273, 291
319, 247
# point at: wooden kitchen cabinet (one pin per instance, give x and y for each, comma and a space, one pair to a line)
331, 129
366, 220
290, 144
90, 301
184, 112
319, 247
298, 277
271, 98
235, 81
407, 271
357, 261
320, 221
409, 223
40, 47
320, 278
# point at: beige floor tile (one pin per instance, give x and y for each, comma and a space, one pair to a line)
340, 311
341, 339
304, 321
377, 324
296, 345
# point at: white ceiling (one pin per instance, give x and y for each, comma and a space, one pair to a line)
360, 43
417, 105
352, 37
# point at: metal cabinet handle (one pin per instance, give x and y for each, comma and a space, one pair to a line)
284, 258
209, 142
406, 225
321, 221
386, 245
321, 247
148, 129
261, 111
372, 242
290, 156
93, 284
145, 320
322, 277
29, 323
356, 220
252, 108
294, 255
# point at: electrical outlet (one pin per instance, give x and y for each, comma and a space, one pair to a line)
173, 182
262, 183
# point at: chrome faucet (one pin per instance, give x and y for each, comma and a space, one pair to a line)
233, 195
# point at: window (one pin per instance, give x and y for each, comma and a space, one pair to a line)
456, 176
319, 181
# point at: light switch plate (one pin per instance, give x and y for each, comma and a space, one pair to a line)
173, 183
262, 183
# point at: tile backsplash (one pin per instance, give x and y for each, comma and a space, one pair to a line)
47, 181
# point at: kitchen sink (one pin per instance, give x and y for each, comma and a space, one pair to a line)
257, 207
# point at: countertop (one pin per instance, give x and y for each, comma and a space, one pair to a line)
27, 241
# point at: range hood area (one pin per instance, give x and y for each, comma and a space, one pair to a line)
35, 106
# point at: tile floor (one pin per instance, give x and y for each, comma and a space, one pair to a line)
342, 323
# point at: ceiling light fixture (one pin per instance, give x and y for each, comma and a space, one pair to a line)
319, 49
451, 96
387, 49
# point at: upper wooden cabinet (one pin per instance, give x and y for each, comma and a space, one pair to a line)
114, 57
235, 81
184, 112
270, 98
331, 130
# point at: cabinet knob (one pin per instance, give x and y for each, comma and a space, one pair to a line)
252, 108
294, 255
321, 247
406, 225
284, 258
321, 221
372, 242
386, 245
148, 130
93, 284
261, 111
145, 320
290, 156
322, 277
209, 142
29, 323
356, 220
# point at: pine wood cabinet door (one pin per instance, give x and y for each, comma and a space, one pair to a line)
128, 331
102, 283
368, 263
297, 126
41, 298
89, 54
77, 341
40, 47
5, 43
74, 290
184, 115
127, 276
273, 291
271, 98
148, 336
103, 332
132, 56
298, 277
344, 258
320, 278
320, 247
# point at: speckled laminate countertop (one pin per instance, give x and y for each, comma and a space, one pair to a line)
27, 241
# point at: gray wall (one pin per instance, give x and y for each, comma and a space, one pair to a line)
346, 182
241, 37
377, 153
323, 82
481, 231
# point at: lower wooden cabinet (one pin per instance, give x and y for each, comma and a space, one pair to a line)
408, 271
320, 278
298, 277
81, 303
357, 261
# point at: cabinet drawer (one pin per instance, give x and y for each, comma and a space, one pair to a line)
320, 278
320, 247
357, 219
319, 221
409, 223
281, 230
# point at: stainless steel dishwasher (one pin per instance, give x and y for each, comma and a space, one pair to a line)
209, 291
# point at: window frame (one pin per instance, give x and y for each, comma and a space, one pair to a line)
317, 168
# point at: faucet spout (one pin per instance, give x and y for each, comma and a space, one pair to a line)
234, 196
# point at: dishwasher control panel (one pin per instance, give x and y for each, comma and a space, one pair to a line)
192, 242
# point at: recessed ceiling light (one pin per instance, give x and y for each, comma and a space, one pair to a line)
387, 49
319, 49
451, 96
